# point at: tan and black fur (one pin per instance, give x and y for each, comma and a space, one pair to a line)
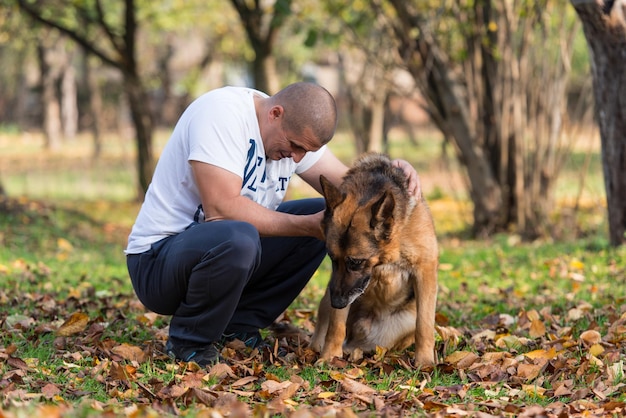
383, 248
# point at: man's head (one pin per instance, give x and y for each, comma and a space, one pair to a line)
300, 118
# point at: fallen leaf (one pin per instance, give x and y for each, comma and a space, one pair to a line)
326, 395
542, 354
590, 337
487, 335
130, 352
461, 359
533, 315
219, 371
449, 334
529, 371
272, 386
355, 387
19, 321
17, 363
574, 314
354, 373
616, 371
122, 372
537, 328
76, 323
50, 390
244, 381
595, 361
534, 390
563, 388
596, 350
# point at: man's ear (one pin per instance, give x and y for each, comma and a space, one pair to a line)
277, 111
331, 193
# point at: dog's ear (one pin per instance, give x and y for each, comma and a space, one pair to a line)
330, 192
381, 221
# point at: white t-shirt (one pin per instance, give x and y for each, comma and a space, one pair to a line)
218, 128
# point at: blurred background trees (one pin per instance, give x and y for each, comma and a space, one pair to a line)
506, 83
497, 91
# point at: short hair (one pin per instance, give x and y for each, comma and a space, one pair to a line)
308, 105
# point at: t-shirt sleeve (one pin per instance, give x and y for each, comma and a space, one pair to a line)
215, 135
310, 158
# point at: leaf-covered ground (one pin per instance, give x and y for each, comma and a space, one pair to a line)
523, 330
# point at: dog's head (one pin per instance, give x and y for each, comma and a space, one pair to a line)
358, 229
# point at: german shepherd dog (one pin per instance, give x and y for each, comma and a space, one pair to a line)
383, 248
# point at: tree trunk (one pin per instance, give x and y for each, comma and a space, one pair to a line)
166, 107
376, 126
452, 117
142, 121
94, 103
51, 109
605, 30
262, 21
264, 72
69, 99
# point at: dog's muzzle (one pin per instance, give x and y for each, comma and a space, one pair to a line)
340, 301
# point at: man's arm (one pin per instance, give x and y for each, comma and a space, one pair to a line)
221, 199
328, 165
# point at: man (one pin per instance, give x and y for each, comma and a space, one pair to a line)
213, 245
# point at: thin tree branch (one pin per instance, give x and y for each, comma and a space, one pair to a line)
82, 41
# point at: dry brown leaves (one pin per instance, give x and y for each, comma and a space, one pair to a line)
535, 364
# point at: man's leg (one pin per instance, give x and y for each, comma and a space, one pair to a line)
287, 264
198, 276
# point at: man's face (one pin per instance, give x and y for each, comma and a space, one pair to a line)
280, 143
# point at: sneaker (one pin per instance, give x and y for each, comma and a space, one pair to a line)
203, 355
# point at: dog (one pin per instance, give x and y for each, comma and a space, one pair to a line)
383, 248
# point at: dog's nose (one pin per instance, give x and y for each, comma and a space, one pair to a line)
338, 301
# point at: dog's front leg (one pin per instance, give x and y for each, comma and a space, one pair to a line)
426, 298
321, 327
336, 334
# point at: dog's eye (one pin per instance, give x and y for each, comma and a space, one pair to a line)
354, 263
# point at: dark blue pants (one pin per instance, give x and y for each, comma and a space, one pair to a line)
221, 277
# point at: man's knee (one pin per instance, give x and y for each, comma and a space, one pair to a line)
246, 241
239, 247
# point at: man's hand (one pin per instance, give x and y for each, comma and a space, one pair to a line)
413, 179
317, 231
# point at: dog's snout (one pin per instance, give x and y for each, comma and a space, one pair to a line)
340, 298
338, 302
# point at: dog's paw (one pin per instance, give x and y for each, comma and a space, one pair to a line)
320, 362
335, 362
315, 345
328, 354
324, 360
424, 362
356, 355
